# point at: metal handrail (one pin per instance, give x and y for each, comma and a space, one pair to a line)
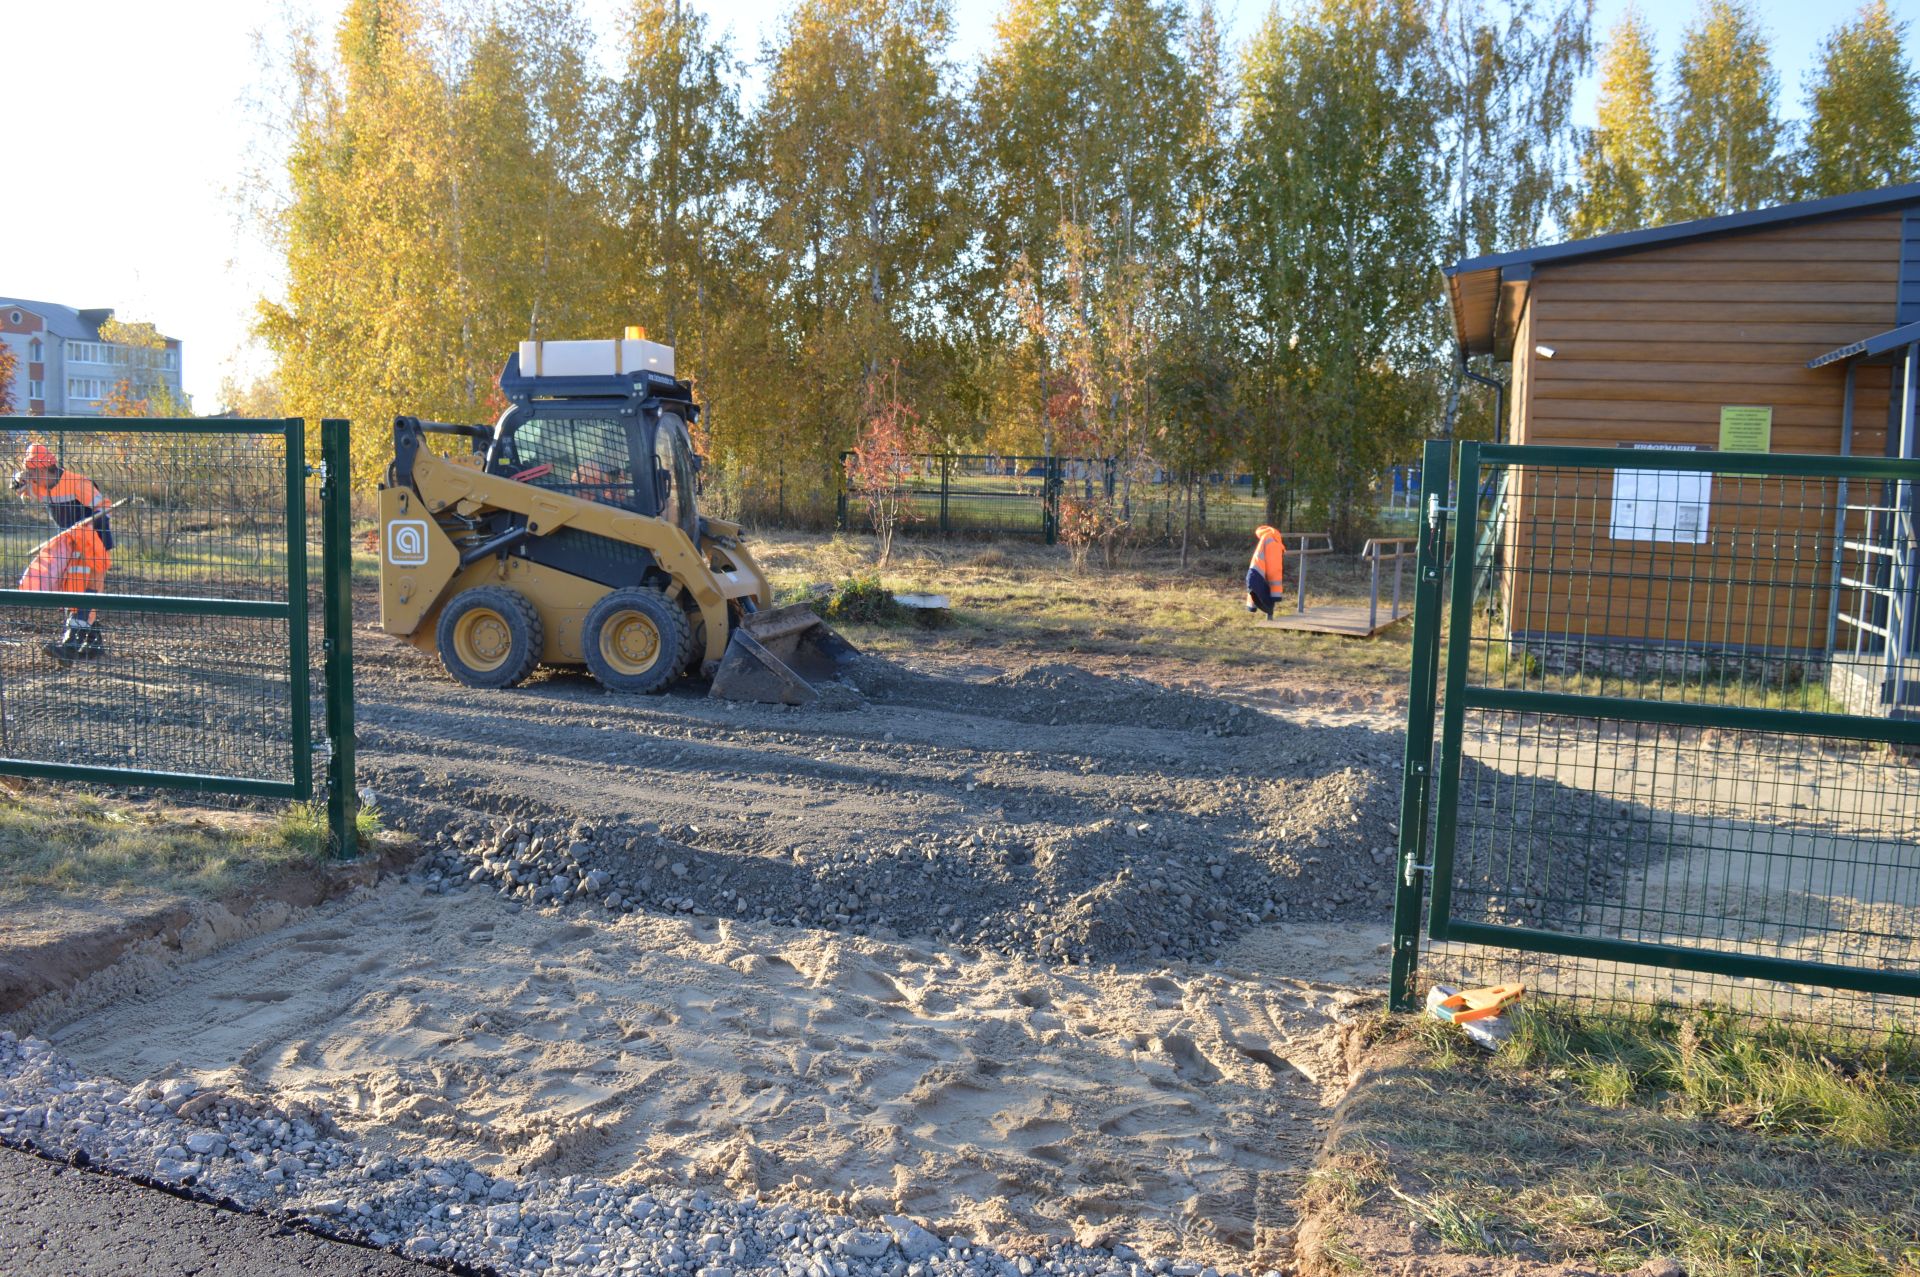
1891, 543
1489, 545
1306, 551
1403, 548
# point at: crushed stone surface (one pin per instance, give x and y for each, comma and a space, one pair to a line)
288, 1161
1047, 811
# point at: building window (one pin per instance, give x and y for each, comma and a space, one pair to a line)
171, 361
84, 352
14, 317
85, 387
36, 389
35, 351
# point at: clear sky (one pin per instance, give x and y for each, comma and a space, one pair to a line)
157, 93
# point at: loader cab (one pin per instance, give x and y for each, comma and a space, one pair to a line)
616, 440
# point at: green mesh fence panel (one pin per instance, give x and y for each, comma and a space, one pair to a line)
184, 544
1678, 726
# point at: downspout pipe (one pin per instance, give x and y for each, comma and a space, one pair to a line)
1499, 394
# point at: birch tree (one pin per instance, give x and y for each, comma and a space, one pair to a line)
1725, 123
1624, 168
858, 156
1861, 108
1340, 259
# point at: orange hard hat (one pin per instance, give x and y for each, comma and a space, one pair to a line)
40, 457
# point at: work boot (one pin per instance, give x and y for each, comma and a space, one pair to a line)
81, 642
91, 646
65, 648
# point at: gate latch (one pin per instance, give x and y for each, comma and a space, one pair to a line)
1435, 510
1412, 868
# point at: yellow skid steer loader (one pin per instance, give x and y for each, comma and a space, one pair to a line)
568, 533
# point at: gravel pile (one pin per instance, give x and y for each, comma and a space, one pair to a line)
1152, 885
258, 1157
1051, 813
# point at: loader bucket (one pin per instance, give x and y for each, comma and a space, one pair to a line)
780, 657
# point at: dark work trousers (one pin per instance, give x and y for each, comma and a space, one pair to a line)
1262, 596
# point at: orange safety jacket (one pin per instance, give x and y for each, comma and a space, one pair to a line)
73, 498
1270, 557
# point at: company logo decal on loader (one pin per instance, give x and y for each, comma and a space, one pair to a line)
407, 543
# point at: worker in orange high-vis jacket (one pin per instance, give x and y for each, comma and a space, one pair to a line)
1266, 575
76, 559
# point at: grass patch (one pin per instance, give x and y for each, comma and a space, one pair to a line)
1608, 1139
1027, 597
303, 827
73, 842
863, 600
1862, 1093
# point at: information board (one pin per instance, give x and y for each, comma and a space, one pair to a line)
1746, 429
1662, 505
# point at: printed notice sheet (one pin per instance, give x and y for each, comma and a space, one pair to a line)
1661, 505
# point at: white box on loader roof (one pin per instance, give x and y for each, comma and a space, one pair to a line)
594, 358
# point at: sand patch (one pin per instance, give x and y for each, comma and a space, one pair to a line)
1176, 1109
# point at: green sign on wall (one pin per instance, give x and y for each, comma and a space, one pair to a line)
1746, 429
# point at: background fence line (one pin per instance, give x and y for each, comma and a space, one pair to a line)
1006, 494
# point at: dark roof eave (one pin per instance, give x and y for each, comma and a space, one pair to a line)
1475, 332
1700, 228
1487, 306
1871, 347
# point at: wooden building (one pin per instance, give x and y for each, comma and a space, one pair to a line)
1790, 327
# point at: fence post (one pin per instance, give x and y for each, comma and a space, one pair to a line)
299, 667
840, 495
1416, 782
336, 581
946, 485
1050, 500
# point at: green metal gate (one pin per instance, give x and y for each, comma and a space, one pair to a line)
188, 549
1677, 724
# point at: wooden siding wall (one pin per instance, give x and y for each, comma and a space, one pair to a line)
1647, 349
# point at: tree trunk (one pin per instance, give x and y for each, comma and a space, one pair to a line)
1186, 526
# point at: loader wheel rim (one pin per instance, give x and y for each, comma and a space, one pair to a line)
630, 642
483, 640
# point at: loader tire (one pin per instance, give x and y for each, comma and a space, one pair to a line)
636, 640
490, 636
696, 641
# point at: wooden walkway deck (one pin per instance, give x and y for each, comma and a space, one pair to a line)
1349, 619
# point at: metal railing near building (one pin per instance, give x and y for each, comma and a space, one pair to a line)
1400, 552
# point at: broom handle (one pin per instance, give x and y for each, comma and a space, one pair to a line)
77, 524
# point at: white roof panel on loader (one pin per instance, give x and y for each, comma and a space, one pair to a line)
594, 358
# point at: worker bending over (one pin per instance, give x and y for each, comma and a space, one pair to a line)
1266, 575
76, 559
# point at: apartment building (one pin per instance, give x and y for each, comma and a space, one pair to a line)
62, 368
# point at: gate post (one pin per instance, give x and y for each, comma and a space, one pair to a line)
336, 584
840, 495
1412, 864
299, 656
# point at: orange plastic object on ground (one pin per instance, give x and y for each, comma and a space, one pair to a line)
1474, 1004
